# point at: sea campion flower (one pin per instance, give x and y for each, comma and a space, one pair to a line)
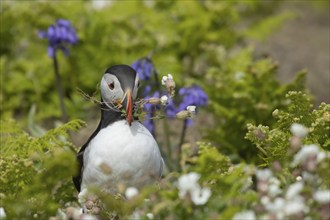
191, 108
299, 130
144, 67
169, 83
164, 100
131, 192
246, 215
59, 35
188, 184
308, 151
322, 196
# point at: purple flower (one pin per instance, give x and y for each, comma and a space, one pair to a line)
144, 67
58, 35
193, 95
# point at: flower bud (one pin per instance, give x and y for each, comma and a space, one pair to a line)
154, 101
183, 114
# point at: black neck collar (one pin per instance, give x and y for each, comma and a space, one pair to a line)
109, 116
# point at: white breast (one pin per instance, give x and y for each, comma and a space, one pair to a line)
130, 152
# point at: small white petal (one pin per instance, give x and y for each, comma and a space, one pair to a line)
200, 196
264, 174
150, 215
294, 190
170, 76
2, 213
88, 217
293, 207
247, 215
298, 130
188, 182
305, 151
164, 79
191, 108
164, 100
131, 192
322, 196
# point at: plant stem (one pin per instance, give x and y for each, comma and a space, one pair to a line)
183, 134
60, 90
170, 160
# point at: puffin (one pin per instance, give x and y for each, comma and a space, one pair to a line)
121, 150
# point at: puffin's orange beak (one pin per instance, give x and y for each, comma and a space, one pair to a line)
129, 107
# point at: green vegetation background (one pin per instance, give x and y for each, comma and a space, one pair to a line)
202, 42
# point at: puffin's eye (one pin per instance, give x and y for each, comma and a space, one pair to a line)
111, 86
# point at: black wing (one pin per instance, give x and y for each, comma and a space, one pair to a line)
80, 159
107, 116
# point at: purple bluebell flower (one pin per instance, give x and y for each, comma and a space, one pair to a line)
193, 95
146, 90
144, 67
58, 35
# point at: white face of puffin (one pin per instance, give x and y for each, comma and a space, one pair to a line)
111, 91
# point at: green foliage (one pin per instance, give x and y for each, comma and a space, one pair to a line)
36, 172
264, 28
273, 143
199, 42
244, 91
178, 33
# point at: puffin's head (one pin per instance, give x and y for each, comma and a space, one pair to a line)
119, 86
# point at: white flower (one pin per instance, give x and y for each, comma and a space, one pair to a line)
99, 4
322, 155
165, 78
322, 196
191, 108
2, 213
294, 190
200, 197
274, 190
135, 215
88, 217
265, 200
305, 151
307, 176
150, 215
274, 186
82, 196
131, 192
298, 130
294, 207
164, 100
247, 215
276, 207
188, 182
264, 174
